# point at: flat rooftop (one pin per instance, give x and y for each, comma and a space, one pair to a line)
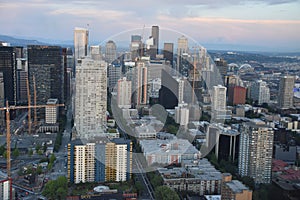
236, 186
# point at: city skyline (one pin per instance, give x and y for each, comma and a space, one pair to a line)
261, 25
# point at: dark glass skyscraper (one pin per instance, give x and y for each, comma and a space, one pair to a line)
45, 64
8, 68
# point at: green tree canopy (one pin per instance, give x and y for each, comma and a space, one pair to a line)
56, 189
165, 193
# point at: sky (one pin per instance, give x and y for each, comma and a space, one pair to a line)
270, 24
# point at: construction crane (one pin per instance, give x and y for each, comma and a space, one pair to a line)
7, 108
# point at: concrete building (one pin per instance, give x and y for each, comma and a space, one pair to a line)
136, 47
198, 177
81, 42
140, 84
182, 114
90, 97
286, 92
145, 132
218, 105
99, 160
96, 52
110, 51
51, 112
169, 52
169, 151
234, 189
2, 97
236, 95
256, 149
114, 74
5, 193
124, 93
260, 92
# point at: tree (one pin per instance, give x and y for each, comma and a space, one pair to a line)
165, 193
52, 158
56, 189
2, 149
45, 147
30, 152
15, 153
39, 170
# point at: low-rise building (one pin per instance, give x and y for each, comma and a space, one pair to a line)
169, 151
198, 177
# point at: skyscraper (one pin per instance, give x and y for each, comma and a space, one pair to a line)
155, 47
219, 98
168, 52
136, 46
140, 84
45, 64
8, 68
182, 49
255, 153
124, 93
96, 52
286, 95
110, 51
90, 97
81, 41
114, 74
260, 92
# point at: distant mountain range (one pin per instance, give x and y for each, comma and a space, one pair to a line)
123, 45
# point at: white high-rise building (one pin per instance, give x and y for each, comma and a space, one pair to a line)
124, 93
286, 94
5, 190
255, 153
260, 92
81, 39
219, 98
182, 114
51, 111
90, 97
219, 102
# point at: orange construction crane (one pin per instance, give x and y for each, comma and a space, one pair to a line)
8, 134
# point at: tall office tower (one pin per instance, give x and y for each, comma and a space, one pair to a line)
182, 114
236, 95
110, 52
255, 154
124, 93
99, 161
8, 68
2, 97
260, 92
21, 85
136, 46
45, 63
81, 41
90, 97
154, 48
182, 51
114, 74
168, 52
222, 67
96, 52
140, 84
51, 112
286, 95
